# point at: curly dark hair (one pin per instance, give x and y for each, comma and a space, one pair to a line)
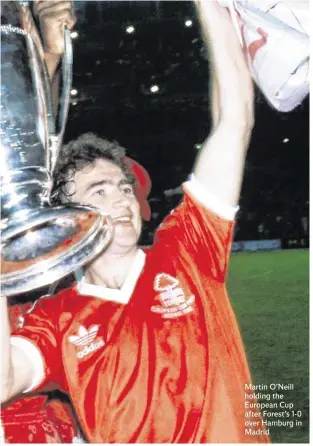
78, 154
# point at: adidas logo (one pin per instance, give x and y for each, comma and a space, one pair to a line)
84, 336
85, 339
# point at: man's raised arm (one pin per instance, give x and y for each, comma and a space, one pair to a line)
220, 164
17, 371
53, 16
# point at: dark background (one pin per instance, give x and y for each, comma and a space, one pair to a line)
113, 72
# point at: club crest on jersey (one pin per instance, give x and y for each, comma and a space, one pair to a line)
172, 298
84, 340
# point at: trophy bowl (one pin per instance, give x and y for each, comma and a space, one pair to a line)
39, 244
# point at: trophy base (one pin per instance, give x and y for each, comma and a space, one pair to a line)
50, 244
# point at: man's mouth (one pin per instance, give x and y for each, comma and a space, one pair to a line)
124, 221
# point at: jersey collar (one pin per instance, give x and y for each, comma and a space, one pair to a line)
122, 295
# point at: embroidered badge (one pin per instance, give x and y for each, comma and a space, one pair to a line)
172, 297
84, 340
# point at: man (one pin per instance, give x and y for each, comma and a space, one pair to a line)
35, 419
146, 343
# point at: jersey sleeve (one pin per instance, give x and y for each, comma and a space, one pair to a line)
199, 231
40, 340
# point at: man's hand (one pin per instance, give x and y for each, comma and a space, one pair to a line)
53, 17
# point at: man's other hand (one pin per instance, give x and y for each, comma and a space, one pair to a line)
53, 17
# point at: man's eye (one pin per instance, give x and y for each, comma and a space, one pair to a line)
100, 192
128, 190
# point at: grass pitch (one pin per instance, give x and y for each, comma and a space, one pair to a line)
269, 292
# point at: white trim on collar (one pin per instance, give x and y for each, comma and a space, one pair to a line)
122, 295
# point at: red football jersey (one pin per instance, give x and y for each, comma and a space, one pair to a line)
160, 360
33, 419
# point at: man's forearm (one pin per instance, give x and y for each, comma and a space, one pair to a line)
6, 364
229, 66
52, 63
215, 100
219, 166
16, 371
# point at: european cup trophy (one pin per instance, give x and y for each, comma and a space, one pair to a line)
39, 244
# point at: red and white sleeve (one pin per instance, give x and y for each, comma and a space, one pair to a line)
39, 339
200, 230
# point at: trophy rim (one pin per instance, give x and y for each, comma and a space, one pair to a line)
53, 268
39, 216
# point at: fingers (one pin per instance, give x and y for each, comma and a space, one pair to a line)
57, 5
61, 17
58, 11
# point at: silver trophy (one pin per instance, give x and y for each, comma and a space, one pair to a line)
39, 243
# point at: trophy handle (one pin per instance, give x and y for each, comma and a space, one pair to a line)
39, 243
64, 98
67, 76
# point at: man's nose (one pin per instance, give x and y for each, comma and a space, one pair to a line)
120, 199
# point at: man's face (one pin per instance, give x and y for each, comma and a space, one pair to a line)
105, 186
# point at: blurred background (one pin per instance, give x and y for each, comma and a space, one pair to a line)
141, 77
